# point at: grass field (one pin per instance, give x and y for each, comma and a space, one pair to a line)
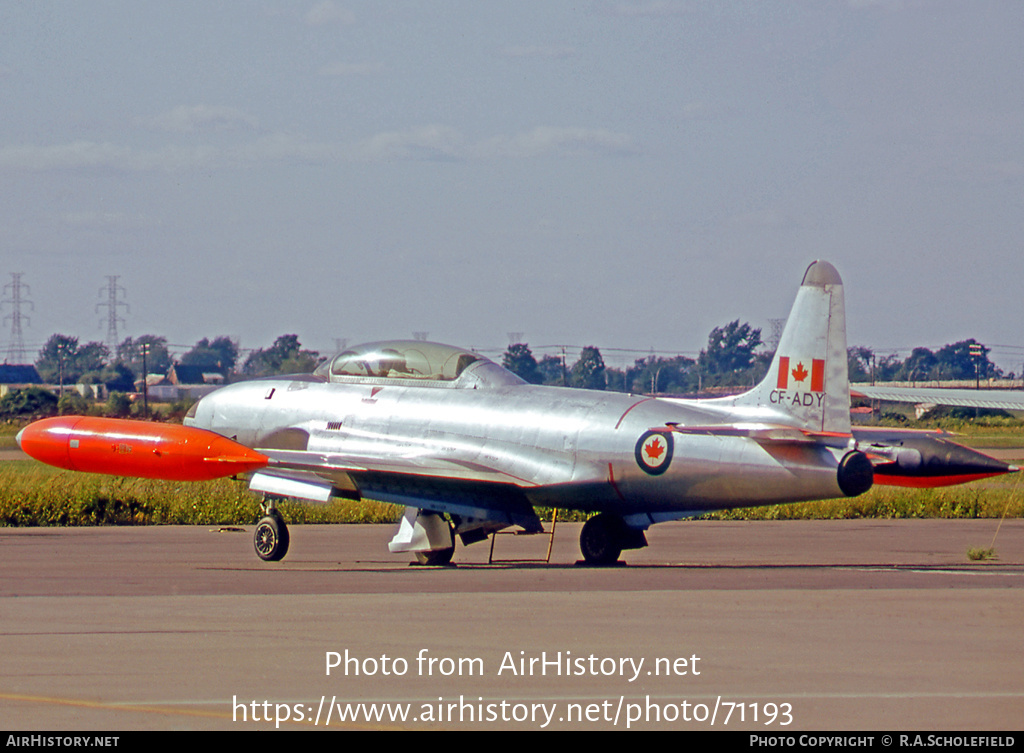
36, 495
32, 494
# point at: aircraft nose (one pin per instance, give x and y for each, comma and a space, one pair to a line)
17, 438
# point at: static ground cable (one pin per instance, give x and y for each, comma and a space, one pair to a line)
1005, 508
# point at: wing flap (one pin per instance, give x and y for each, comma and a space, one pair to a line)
496, 503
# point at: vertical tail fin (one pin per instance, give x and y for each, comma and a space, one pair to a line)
808, 379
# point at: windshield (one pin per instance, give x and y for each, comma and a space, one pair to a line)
401, 359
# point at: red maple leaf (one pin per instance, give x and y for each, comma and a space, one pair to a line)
800, 373
654, 449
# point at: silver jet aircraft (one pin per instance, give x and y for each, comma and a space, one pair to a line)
468, 448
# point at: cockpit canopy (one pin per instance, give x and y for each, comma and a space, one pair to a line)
407, 359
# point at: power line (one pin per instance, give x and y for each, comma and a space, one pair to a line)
777, 326
16, 349
112, 318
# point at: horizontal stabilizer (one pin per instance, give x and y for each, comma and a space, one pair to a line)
761, 432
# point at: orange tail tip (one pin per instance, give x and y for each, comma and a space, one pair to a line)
121, 447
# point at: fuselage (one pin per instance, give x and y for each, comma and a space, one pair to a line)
571, 448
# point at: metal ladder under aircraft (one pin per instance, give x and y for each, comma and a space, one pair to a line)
551, 542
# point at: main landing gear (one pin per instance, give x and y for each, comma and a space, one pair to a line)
271, 538
436, 558
426, 534
603, 538
441, 530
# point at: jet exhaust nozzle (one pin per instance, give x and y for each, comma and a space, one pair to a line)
856, 474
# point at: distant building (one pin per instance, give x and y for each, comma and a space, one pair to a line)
182, 381
13, 376
181, 374
19, 374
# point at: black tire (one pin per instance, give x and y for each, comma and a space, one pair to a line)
271, 538
436, 558
601, 540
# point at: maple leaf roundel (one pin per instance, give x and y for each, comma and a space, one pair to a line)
654, 452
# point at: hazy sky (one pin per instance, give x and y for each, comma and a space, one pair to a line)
625, 174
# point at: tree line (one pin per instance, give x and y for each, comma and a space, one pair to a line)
734, 357
731, 359
63, 360
966, 359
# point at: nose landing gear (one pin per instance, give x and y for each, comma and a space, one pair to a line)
271, 538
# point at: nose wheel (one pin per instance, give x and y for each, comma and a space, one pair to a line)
271, 537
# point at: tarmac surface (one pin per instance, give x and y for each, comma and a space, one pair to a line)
773, 626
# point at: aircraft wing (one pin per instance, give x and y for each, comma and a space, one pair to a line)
465, 488
1003, 399
331, 464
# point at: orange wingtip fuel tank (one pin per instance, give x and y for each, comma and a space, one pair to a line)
136, 448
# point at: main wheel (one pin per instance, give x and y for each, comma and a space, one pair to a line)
601, 540
436, 558
271, 538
